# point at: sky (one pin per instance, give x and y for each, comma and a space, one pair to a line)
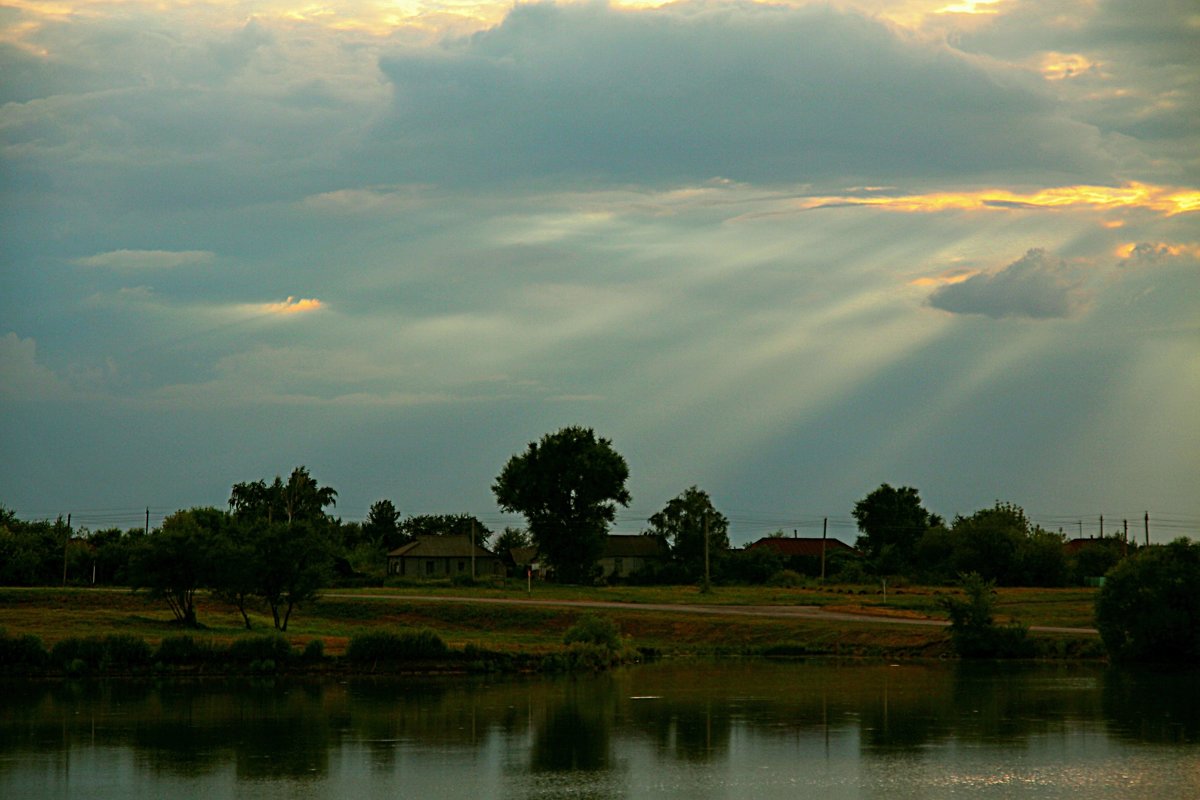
782, 252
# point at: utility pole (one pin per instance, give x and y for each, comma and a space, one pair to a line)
1147, 518
1101, 526
824, 530
147, 520
66, 541
472, 549
705, 588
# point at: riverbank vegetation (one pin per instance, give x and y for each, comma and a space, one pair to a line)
479, 633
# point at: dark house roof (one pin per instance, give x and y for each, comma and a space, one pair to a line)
633, 546
440, 547
801, 547
1073, 546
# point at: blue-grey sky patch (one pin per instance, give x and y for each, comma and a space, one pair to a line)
770, 250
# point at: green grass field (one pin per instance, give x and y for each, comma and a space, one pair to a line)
55, 614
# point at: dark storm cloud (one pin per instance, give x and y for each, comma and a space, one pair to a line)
693, 92
1035, 286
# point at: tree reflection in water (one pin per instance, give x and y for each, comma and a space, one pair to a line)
612, 727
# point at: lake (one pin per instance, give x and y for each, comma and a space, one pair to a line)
695, 730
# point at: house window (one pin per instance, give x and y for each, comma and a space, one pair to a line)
462, 566
428, 567
618, 564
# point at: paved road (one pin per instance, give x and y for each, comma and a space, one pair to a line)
778, 612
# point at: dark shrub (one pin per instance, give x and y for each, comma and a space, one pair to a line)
78, 654
22, 653
125, 651
591, 657
786, 578
182, 650
389, 646
271, 647
314, 651
595, 630
973, 630
1149, 606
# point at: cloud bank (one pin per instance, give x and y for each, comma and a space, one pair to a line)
1036, 286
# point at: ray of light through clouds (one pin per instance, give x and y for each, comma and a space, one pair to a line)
782, 251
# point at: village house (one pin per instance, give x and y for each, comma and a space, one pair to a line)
803, 554
442, 557
625, 554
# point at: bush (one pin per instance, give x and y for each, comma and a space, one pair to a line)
314, 651
1149, 606
183, 650
786, 578
750, 566
23, 653
125, 651
115, 652
973, 630
591, 657
594, 630
389, 646
76, 654
272, 647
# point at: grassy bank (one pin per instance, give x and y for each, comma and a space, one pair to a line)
57, 614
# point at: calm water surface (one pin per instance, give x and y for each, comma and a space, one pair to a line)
693, 730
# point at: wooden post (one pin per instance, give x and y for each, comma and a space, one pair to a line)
66, 541
472, 549
824, 530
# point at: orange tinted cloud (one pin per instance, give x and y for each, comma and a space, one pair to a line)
944, 280
1144, 250
293, 306
1162, 199
1061, 66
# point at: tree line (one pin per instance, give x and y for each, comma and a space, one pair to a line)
567, 486
277, 544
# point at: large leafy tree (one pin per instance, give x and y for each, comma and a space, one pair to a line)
294, 563
382, 526
682, 523
301, 498
891, 522
511, 539
1003, 546
237, 566
31, 553
1149, 609
444, 525
176, 560
567, 486
291, 536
